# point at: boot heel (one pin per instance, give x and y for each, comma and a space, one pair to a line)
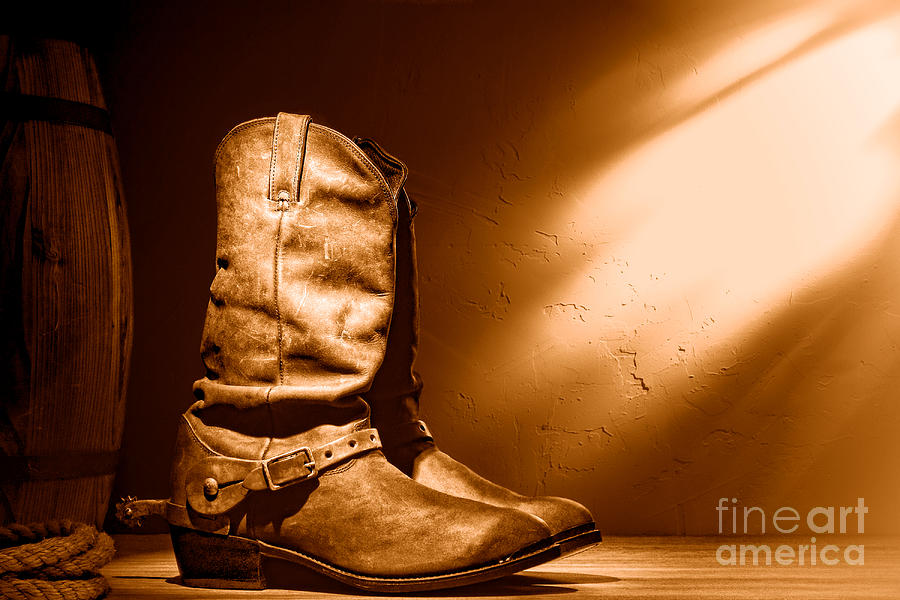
214, 561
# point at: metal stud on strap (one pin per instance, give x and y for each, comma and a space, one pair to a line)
424, 432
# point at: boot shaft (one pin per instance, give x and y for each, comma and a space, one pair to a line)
304, 287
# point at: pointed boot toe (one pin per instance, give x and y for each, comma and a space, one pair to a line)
513, 532
571, 524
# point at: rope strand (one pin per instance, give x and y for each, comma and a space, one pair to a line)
56, 560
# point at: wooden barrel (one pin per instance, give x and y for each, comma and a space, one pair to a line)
66, 298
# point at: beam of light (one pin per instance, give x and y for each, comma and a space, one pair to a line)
769, 188
709, 228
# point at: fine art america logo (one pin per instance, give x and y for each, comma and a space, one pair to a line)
821, 520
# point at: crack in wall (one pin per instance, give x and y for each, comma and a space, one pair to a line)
628, 373
562, 309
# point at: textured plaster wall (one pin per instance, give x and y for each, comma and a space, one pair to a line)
658, 241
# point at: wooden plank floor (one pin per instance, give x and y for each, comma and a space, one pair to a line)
636, 567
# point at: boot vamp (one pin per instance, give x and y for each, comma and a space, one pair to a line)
369, 518
441, 472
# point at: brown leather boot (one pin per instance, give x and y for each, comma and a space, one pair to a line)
276, 460
394, 400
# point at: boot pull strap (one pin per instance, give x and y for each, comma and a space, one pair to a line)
217, 483
288, 152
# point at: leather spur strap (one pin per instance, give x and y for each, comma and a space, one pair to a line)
218, 483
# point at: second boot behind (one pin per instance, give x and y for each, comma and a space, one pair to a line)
394, 400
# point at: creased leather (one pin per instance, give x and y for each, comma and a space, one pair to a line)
303, 291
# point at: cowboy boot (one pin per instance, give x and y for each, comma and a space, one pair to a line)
394, 401
276, 461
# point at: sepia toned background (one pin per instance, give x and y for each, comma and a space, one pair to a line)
659, 242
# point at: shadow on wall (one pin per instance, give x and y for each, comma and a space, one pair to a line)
558, 340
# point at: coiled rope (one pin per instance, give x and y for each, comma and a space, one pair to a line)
58, 560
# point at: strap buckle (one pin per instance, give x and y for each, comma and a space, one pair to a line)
286, 469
